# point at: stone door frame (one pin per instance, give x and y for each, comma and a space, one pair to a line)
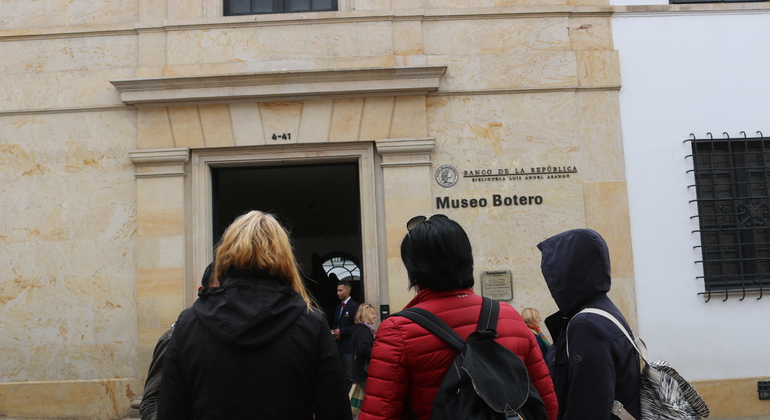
201, 233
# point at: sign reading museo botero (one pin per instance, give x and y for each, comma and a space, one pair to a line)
447, 176
496, 200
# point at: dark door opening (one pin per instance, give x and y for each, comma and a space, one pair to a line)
320, 207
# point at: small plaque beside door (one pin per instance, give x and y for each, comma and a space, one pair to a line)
497, 284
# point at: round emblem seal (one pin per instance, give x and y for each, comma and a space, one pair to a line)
447, 176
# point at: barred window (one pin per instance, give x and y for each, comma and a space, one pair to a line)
254, 7
731, 183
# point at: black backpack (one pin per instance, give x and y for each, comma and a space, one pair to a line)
486, 380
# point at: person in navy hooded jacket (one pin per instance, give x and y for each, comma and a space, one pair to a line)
602, 366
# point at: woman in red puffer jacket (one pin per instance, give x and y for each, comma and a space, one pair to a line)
408, 363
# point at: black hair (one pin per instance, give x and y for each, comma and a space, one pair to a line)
437, 255
208, 275
343, 283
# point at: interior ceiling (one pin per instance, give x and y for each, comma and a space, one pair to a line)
309, 200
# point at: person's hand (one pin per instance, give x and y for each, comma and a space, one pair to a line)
336, 334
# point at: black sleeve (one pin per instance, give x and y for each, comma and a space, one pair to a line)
148, 409
330, 399
365, 342
174, 399
354, 342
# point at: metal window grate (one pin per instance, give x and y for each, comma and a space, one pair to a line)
731, 184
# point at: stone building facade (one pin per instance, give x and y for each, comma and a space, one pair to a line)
114, 114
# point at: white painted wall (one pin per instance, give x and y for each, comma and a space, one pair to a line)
687, 74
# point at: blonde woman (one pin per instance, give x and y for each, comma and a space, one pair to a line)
532, 318
253, 345
363, 334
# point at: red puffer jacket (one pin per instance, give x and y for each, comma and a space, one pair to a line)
408, 363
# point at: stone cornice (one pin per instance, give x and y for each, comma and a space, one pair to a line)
279, 78
106, 108
510, 91
445, 14
282, 85
405, 146
152, 163
405, 152
524, 90
67, 32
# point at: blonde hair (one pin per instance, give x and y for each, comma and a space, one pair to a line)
256, 241
362, 313
530, 315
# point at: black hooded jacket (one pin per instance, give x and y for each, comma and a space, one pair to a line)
251, 349
602, 365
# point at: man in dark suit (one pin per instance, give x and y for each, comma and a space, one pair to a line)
343, 319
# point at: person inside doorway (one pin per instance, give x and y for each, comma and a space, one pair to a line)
344, 320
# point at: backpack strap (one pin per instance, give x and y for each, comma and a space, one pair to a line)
617, 407
637, 343
618, 410
487, 326
490, 310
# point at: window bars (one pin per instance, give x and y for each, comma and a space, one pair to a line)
731, 184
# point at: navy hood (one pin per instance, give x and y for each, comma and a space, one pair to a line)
576, 268
248, 313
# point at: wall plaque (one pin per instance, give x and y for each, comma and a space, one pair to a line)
447, 175
497, 284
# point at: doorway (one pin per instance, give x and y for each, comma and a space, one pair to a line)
320, 206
